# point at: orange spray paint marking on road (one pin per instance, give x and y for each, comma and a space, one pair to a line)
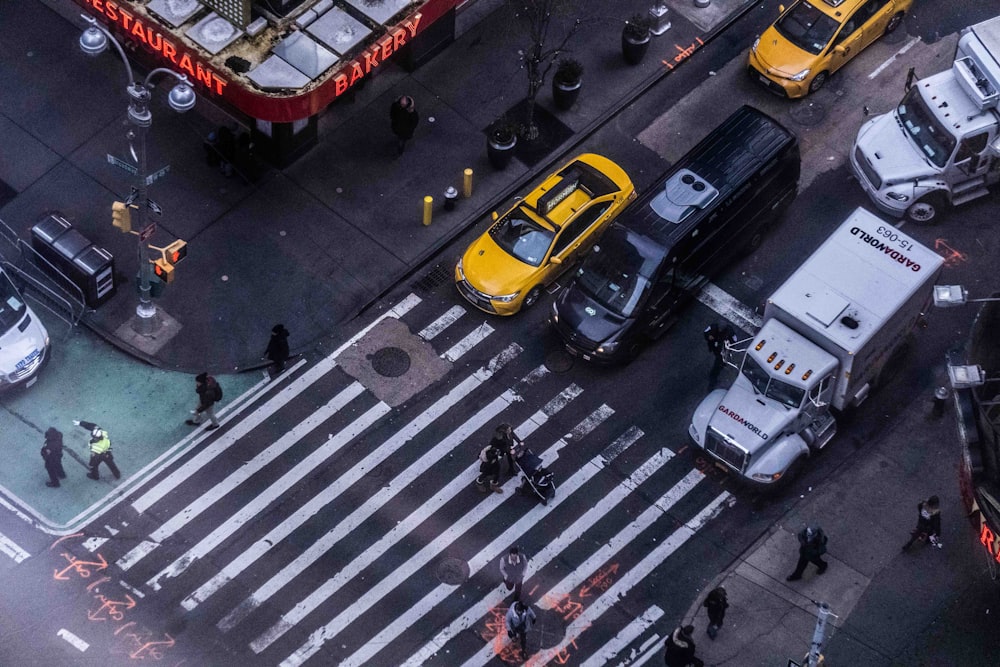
683, 52
64, 537
111, 609
82, 567
94, 584
951, 256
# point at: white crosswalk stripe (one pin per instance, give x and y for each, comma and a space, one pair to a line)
240, 523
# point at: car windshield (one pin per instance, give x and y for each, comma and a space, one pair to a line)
807, 28
616, 275
786, 394
11, 306
522, 237
930, 137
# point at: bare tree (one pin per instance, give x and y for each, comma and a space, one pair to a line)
538, 58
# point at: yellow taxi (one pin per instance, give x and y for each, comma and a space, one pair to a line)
812, 39
530, 245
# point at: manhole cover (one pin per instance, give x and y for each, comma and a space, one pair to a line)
559, 361
453, 571
390, 362
550, 627
811, 113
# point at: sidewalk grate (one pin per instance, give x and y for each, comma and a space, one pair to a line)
433, 279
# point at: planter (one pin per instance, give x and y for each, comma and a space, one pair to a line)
564, 94
500, 149
634, 48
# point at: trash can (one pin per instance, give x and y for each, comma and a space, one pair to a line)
89, 267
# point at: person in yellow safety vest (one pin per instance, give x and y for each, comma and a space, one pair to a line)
100, 450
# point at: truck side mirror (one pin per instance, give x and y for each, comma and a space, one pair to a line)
993, 149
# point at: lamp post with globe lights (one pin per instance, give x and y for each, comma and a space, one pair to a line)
94, 41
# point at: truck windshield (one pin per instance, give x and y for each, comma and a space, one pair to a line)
11, 306
522, 237
931, 138
807, 28
616, 274
786, 394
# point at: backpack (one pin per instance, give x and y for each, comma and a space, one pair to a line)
217, 387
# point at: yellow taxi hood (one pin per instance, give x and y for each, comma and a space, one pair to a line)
492, 270
782, 57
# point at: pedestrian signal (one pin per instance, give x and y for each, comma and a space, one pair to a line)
121, 216
163, 270
175, 252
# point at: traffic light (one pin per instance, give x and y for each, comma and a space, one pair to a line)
121, 216
163, 270
175, 252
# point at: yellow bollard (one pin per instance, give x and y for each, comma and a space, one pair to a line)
428, 206
467, 184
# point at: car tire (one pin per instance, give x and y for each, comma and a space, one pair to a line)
756, 240
894, 23
531, 298
818, 81
926, 210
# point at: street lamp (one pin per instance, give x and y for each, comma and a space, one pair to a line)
948, 296
94, 41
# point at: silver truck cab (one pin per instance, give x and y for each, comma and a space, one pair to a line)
24, 342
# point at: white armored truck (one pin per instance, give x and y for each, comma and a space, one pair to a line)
941, 144
828, 333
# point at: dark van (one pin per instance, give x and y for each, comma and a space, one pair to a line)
714, 204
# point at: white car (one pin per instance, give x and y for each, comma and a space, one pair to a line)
24, 342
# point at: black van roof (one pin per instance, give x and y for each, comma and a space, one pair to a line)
724, 160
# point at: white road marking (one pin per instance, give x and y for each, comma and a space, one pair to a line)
316, 460
419, 611
74, 641
467, 343
8, 547
442, 323
244, 472
333, 491
633, 577
429, 552
724, 304
909, 45
263, 413
624, 638
92, 544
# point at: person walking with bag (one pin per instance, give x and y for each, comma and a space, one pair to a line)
716, 604
100, 450
489, 469
928, 523
681, 648
513, 567
209, 393
520, 618
52, 452
812, 545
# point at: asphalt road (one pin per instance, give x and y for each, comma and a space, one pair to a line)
336, 516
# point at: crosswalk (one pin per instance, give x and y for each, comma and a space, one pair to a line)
328, 527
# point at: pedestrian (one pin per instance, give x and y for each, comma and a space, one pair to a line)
513, 567
812, 545
209, 393
520, 618
277, 349
100, 450
713, 338
680, 649
52, 451
716, 604
489, 469
403, 117
928, 523
508, 444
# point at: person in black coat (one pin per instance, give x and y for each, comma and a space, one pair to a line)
403, 117
928, 523
716, 604
680, 649
277, 349
52, 452
812, 545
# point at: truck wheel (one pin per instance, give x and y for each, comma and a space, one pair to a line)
755, 241
926, 210
531, 298
894, 23
818, 81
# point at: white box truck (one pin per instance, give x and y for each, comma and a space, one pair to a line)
941, 144
828, 332
24, 342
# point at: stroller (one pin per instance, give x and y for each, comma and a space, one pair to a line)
535, 478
